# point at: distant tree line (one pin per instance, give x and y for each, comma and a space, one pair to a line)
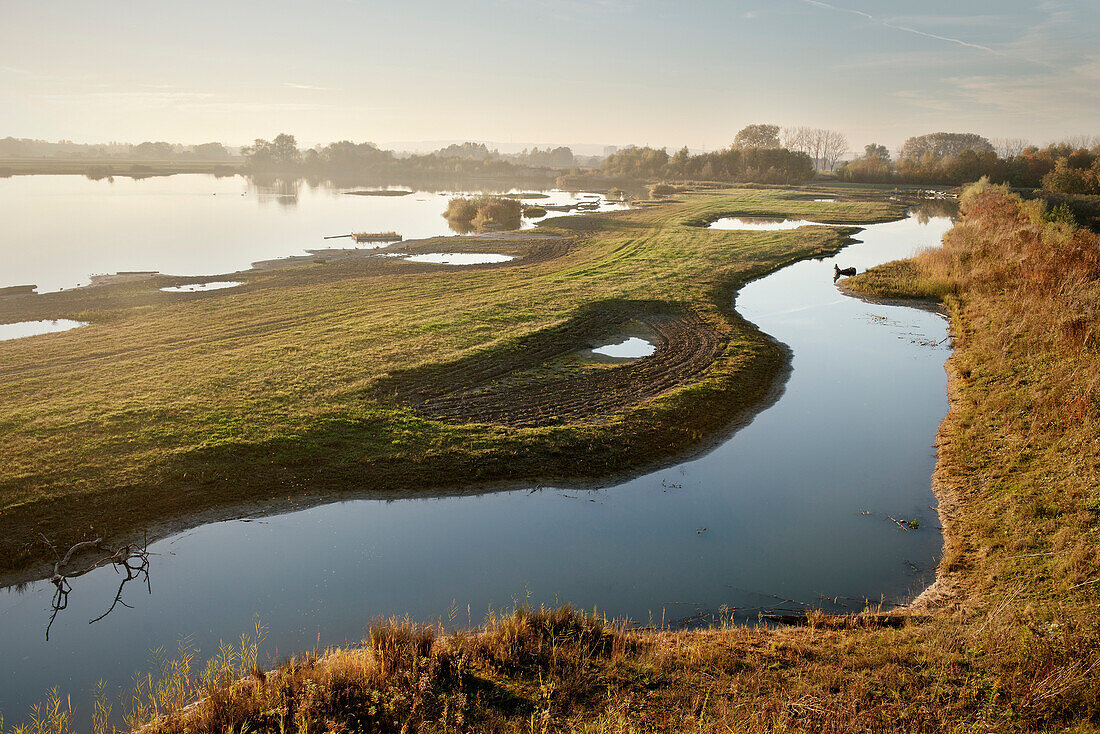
756, 156
1070, 167
28, 148
282, 155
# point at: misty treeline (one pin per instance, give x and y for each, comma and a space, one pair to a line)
757, 154
282, 154
159, 151
1068, 167
760, 153
559, 157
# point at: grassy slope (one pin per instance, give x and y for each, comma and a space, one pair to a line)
168, 406
1014, 647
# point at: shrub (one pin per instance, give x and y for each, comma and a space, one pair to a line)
483, 212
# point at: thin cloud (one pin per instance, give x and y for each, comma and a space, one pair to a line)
924, 100
141, 97
311, 87
903, 28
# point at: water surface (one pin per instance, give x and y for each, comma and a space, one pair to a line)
214, 285
759, 224
21, 329
790, 511
61, 230
460, 258
632, 348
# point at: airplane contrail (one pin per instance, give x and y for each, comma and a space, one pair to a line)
905, 29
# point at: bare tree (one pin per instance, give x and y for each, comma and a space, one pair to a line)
833, 147
1009, 147
1079, 142
826, 147
796, 139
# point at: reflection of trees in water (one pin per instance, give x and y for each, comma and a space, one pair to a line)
271, 188
272, 185
131, 562
933, 208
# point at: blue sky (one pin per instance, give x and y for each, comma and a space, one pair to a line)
598, 71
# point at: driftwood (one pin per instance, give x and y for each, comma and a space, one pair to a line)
367, 236
905, 524
130, 560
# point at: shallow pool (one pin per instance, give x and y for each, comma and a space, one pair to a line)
214, 285
21, 329
631, 348
759, 224
460, 258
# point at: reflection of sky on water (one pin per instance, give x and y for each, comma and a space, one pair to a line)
61, 230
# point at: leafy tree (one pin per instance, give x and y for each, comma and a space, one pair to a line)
873, 167
636, 162
757, 136
280, 153
209, 152
678, 164
874, 150
285, 149
1068, 179
468, 151
153, 151
944, 145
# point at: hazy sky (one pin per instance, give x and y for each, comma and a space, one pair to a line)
658, 72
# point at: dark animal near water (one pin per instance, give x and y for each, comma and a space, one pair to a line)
838, 271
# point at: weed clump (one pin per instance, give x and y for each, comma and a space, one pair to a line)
483, 212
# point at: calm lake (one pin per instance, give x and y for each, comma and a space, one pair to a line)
792, 510
61, 230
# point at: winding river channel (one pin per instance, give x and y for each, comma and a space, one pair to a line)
794, 509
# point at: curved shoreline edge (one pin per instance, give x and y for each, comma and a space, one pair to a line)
942, 589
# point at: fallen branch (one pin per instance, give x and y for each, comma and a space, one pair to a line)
134, 560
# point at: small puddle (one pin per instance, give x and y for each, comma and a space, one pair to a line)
21, 329
759, 224
824, 200
632, 348
215, 285
459, 258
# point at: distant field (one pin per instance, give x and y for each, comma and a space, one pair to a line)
101, 168
376, 376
